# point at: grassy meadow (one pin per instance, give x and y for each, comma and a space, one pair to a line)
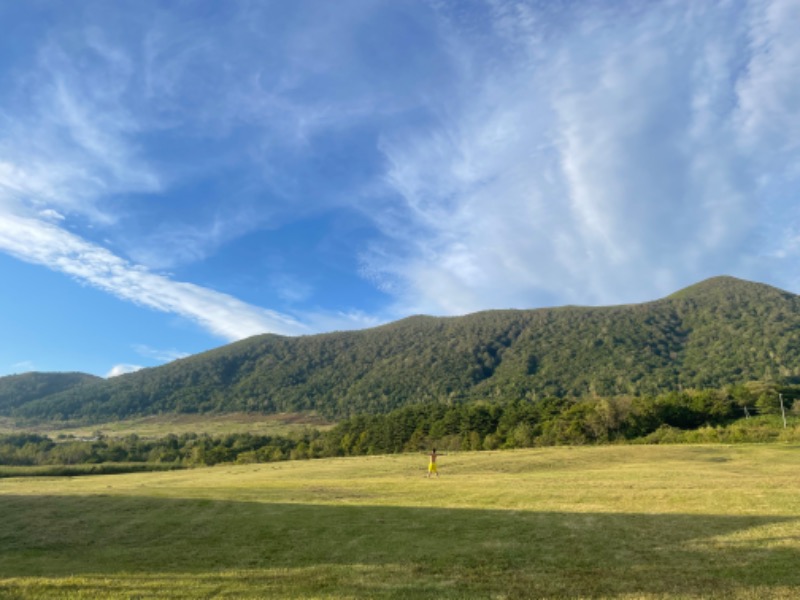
157, 426
584, 522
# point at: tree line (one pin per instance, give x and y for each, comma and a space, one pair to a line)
191, 449
736, 413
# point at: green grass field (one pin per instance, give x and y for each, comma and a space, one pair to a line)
157, 426
591, 522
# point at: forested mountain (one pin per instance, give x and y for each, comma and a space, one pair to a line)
718, 332
16, 390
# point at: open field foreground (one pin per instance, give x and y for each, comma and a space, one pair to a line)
591, 522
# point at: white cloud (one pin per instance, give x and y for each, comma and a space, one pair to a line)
159, 354
69, 155
122, 369
769, 97
604, 162
767, 121
43, 243
290, 288
24, 366
321, 320
66, 147
51, 215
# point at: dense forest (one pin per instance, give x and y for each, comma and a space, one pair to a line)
745, 413
17, 390
717, 333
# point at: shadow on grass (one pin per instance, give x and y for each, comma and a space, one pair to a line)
303, 549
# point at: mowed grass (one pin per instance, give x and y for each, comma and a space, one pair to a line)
591, 522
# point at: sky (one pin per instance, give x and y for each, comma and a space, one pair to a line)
176, 176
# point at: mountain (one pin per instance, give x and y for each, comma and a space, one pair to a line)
17, 390
717, 332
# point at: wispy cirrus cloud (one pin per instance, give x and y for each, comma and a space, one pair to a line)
769, 98
114, 145
767, 123
615, 155
62, 166
71, 158
46, 244
159, 354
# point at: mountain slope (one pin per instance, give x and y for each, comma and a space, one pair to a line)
717, 332
17, 390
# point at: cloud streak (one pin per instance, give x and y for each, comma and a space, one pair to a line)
614, 157
62, 166
43, 243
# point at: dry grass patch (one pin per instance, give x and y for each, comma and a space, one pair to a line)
158, 426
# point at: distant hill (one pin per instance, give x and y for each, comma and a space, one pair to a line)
17, 390
717, 332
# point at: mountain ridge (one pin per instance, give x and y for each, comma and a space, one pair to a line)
716, 332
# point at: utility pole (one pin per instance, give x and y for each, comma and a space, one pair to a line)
783, 411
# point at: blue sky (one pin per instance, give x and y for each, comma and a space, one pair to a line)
175, 176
